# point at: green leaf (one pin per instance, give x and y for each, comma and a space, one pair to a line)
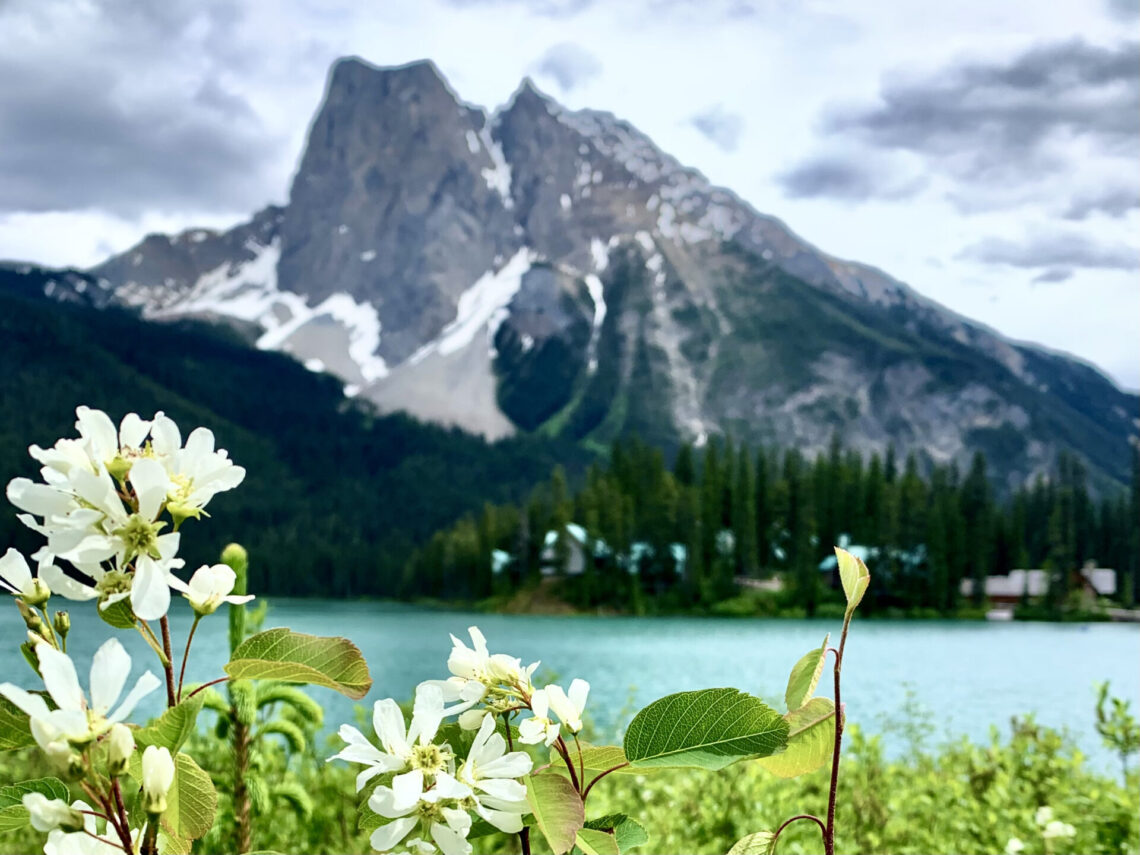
629, 833
557, 808
760, 843
597, 759
855, 577
53, 788
119, 614
171, 729
811, 740
707, 729
281, 654
805, 676
13, 814
479, 826
191, 802
593, 841
14, 732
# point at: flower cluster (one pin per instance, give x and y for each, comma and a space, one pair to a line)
100, 506
425, 787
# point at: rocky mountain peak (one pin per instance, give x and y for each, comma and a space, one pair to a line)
553, 269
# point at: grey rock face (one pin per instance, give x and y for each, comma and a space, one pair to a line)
554, 269
401, 200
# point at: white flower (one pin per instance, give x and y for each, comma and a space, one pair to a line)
75, 720
1014, 846
209, 587
492, 773
157, 776
569, 708
1044, 815
539, 727
197, 472
46, 814
17, 578
478, 675
447, 826
1055, 828
120, 747
402, 749
89, 841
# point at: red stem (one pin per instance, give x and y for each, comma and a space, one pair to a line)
168, 666
590, 785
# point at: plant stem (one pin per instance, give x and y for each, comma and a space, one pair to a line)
565, 752
581, 763
186, 654
168, 664
123, 824
102, 840
206, 686
524, 839
590, 785
148, 636
829, 831
787, 822
242, 802
150, 837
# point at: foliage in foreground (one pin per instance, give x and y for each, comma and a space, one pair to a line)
960, 798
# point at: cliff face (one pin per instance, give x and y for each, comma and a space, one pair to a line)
543, 269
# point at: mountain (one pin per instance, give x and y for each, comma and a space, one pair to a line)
538, 269
335, 498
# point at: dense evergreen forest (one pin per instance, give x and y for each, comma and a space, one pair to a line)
342, 502
726, 514
335, 499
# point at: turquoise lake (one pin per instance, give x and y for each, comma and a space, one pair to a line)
969, 675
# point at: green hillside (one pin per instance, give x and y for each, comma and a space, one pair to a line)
336, 497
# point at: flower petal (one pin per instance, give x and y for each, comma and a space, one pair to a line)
389, 724
151, 484
109, 670
60, 678
62, 584
385, 838
132, 431
145, 684
150, 590
34, 705
15, 571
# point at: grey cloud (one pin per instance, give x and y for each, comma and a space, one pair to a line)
569, 65
1062, 250
989, 121
720, 126
545, 8
92, 130
846, 178
1123, 10
1112, 202
996, 129
1053, 275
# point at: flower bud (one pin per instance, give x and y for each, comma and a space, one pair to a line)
39, 594
238, 559
49, 814
31, 619
118, 468
157, 776
120, 747
62, 624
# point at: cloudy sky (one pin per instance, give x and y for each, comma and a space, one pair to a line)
985, 152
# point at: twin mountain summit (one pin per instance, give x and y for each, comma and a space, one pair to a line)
543, 270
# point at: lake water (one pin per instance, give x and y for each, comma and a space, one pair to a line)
969, 675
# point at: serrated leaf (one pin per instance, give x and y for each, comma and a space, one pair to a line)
14, 731
557, 808
119, 614
855, 576
171, 729
594, 841
53, 788
293, 657
13, 814
805, 676
706, 729
759, 843
597, 759
191, 802
811, 740
629, 832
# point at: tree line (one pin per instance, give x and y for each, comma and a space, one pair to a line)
725, 513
